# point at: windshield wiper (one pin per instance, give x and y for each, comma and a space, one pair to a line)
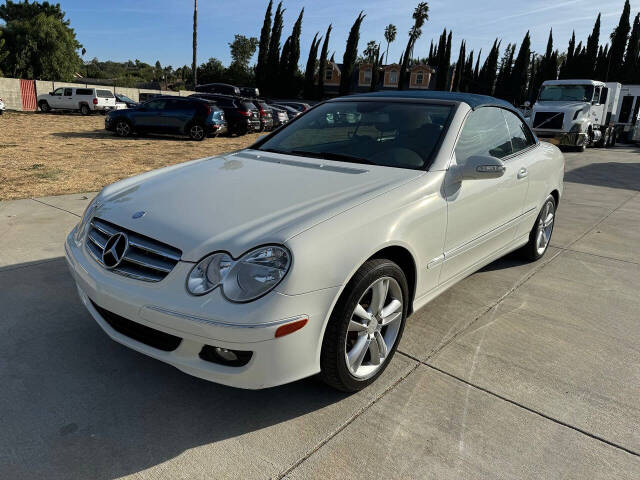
342, 157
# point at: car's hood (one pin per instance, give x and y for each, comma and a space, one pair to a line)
543, 106
238, 201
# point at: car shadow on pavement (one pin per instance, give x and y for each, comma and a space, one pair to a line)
613, 174
75, 404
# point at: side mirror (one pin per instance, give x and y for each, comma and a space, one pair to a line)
51, 93
480, 166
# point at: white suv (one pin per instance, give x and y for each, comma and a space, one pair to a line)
85, 100
1, 106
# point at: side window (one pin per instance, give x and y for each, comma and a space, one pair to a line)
596, 96
156, 105
521, 136
68, 92
484, 133
603, 96
58, 92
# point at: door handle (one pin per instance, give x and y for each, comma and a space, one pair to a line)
522, 173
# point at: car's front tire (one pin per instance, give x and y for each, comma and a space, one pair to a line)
540, 235
123, 128
365, 326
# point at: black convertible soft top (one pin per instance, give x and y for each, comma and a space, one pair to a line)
471, 99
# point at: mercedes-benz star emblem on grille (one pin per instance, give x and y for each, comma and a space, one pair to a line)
139, 214
115, 249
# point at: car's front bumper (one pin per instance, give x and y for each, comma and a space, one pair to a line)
576, 139
208, 320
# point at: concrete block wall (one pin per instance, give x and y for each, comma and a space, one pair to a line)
10, 90
10, 93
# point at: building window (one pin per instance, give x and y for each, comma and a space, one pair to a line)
367, 77
328, 74
393, 76
419, 78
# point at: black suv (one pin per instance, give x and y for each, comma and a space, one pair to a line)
194, 117
223, 88
242, 115
266, 115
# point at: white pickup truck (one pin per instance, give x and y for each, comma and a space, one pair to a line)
86, 100
576, 113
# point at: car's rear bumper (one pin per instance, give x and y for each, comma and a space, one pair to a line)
166, 307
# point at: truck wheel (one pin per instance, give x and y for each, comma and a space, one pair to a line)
84, 109
44, 106
613, 138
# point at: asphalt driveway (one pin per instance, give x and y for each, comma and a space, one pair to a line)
520, 371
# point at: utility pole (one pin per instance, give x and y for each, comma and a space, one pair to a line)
194, 66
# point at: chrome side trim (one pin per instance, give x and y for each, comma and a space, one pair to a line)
435, 262
485, 236
219, 323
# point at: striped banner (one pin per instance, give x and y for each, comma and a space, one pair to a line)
28, 94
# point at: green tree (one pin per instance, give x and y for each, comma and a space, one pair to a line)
458, 72
431, 54
619, 44
630, 73
3, 52
212, 71
242, 49
309, 73
390, 32
589, 60
467, 74
504, 74
439, 60
487, 75
322, 64
420, 15
195, 43
263, 48
602, 64
273, 56
519, 76
566, 68
289, 64
39, 42
350, 55
377, 60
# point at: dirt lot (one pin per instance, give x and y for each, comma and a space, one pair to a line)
51, 154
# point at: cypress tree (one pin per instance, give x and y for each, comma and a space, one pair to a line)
618, 45
447, 60
273, 55
467, 74
263, 47
629, 69
505, 72
518, 80
350, 55
310, 71
457, 76
593, 41
289, 64
430, 60
441, 78
476, 72
487, 75
375, 69
565, 70
322, 65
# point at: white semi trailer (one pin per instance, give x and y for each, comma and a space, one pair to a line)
628, 112
577, 113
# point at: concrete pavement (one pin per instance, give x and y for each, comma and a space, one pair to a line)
519, 371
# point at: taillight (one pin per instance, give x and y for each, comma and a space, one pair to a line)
245, 113
95, 101
263, 113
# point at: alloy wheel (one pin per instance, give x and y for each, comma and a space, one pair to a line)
123, 129
196, 132
545, 227
373, 328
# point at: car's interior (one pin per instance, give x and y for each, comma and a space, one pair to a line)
393, 134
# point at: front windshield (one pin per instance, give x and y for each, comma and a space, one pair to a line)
392, 134
567, 93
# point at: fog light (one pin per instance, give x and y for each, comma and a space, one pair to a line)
228, 355
224, 356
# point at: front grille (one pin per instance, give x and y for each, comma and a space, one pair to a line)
141, 333
145, 259
548, 120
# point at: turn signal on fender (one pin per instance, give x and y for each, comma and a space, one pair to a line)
288, 328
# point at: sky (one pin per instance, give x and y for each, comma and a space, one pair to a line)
151, 30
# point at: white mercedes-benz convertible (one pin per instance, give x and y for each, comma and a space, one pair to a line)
305, 253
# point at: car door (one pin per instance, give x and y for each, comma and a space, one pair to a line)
55, 99
176, 115
68, 100
482, 214
149, 116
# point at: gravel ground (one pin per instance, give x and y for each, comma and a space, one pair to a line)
51, 154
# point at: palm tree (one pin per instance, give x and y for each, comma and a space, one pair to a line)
390, 32
195, 43
420, 15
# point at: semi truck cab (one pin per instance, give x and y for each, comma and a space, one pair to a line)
576, 113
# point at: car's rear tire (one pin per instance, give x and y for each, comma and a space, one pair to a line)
365, 326
123, 128
540, 235
44, 106
196, 131
84, 109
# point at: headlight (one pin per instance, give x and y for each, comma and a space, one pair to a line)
86, 216
253, 275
